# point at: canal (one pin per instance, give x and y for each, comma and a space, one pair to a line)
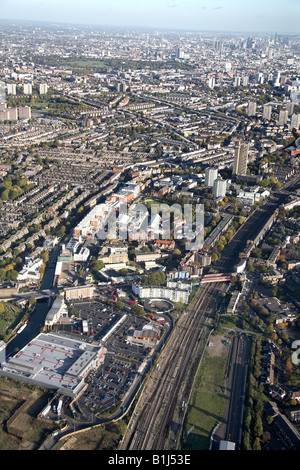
37, 318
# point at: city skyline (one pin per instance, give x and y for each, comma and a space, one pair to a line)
220, 15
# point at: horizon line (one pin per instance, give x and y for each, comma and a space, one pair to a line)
156, 28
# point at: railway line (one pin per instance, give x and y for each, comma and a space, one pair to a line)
167, 386
158, 414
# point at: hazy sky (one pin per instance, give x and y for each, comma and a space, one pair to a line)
213, 15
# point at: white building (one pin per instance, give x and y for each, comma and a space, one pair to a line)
82, 256
57, 310
55, 361
30, 270
174, 294
27, 88
11, 89
211, 174
219, 188
43, 88
252, 195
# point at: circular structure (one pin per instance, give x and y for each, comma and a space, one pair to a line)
158, 305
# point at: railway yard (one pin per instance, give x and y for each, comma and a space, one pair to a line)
157, 419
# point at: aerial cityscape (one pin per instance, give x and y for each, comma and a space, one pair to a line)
150, 228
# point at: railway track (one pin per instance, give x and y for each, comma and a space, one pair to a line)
167, 386
152, 422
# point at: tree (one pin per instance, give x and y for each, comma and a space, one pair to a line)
97, 265
31, 300
12, 275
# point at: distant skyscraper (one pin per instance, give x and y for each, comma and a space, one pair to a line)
240, 160
24, 112
211, 82
259, 77
276, 80
251, 108
295, 122
179, 53
43, 88
267, 112
11, 88
27, 89
227, 67
237, 81
12, 114
295, 92
283, 117
245, 80
2, 93
290, 108
211, 174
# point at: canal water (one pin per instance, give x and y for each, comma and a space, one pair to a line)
37, 318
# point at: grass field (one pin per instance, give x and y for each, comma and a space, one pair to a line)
208, 401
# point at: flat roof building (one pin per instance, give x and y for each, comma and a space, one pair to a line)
56, 361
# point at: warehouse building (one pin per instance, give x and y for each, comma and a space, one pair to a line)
55, 361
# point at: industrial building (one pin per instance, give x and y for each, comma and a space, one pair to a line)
55, 361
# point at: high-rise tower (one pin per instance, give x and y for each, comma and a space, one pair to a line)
240, 160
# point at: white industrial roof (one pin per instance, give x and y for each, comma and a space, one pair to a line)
53, 360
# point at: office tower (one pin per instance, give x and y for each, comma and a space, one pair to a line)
11, 89
43, 88
27, 89
251, 108
211, 174
240, 160
219, 188
267, 112
295, 122
227, 67
24, 112
283, 117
